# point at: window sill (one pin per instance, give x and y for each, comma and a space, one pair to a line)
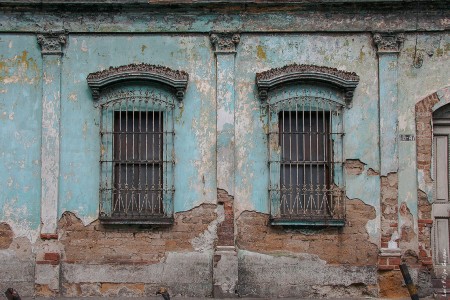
126, 220
307, 222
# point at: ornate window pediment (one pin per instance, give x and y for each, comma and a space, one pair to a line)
175, 80
345, 81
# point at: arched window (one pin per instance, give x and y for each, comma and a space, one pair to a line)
304, 106
136, 104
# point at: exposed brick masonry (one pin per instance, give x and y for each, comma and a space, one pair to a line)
225, 230
50, 258
130, 245
424, 140
6, 236
389, 207
348, 245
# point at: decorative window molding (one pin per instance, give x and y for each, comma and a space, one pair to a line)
304, 105
346, 81
136, 105
174, 79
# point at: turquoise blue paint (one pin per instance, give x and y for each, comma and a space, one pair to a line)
225, 94
388, 112
194, 127
361, 125
20, 132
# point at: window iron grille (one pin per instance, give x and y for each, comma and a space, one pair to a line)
136, 162
305, 156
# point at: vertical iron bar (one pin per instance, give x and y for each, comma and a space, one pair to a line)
304, 156
153, 160
133, 159
146, 157
297, 191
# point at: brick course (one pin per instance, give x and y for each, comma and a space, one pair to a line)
424, 140
389, 207
347, 245
225, 230
96, 243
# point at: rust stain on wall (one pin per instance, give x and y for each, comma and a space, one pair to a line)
391, 285
14, 70
6, 236
260, 52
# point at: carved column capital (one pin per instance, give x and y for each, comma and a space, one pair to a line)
51, 42
388, 42
225, 42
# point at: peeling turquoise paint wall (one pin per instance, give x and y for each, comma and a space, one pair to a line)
20, 133
195, 144
353, 53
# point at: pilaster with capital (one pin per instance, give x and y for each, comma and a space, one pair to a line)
51, 44
225, 42
224, 46
388, 42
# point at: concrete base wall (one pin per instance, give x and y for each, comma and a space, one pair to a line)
17, 273
302, 275
185, 274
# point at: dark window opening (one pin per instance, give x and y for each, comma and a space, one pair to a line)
138, 163
306, 164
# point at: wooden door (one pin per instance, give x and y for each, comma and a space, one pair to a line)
441, 204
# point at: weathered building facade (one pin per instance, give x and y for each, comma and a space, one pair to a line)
273, 148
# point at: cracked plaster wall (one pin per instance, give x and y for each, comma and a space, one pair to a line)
195, 125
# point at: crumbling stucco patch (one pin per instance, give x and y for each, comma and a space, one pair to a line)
407, 231
205, 241
96, 243
389, 207
349, 245
354, 167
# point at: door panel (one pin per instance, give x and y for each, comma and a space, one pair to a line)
441, 205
